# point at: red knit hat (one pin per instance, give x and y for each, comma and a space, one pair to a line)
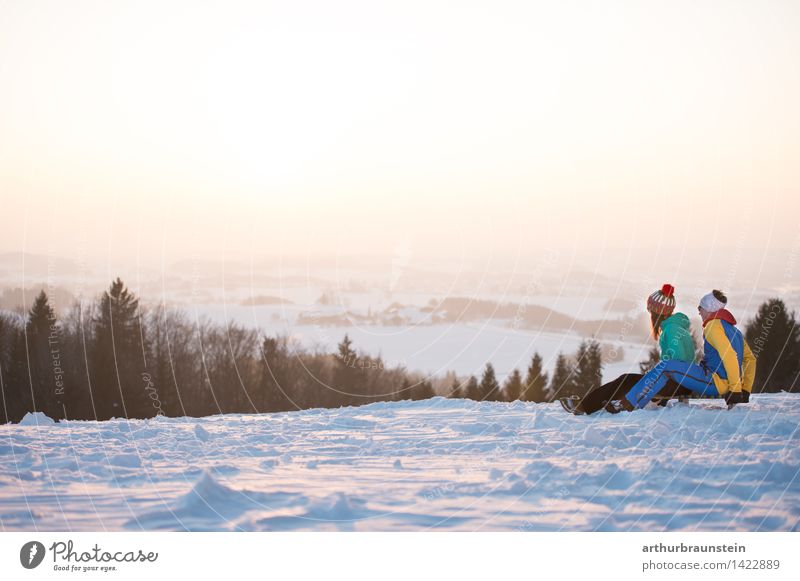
662, 302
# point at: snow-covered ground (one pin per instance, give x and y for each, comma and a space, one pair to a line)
436, 464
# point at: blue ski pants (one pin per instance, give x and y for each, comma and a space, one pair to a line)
689, 375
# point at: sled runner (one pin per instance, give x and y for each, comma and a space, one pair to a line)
572, 403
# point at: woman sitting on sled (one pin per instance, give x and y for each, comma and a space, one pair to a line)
674, 341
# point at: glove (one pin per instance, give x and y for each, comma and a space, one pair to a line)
734, 397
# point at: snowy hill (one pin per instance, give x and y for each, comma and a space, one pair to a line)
438, 464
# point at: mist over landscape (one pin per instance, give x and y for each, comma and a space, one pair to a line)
427, 314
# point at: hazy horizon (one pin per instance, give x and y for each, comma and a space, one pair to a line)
617, 135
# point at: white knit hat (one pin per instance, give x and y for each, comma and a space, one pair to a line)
711, 304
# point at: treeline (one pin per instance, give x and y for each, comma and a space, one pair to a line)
116, 358
573, 375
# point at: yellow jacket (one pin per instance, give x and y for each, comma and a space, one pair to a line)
728, 357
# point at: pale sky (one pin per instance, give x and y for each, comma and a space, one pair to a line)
169, 129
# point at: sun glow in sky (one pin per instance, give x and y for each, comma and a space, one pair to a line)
166, 129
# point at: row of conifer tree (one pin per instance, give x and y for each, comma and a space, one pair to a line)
116, 358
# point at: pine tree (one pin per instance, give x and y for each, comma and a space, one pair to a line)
7, 328
535, 385
422, 390
347, 377
16, 379
346, 352
588, 367
6, 334
562, 383
489, 387
117, 357
513, 386
774, 337
275, 391
455, 389
44, 358
473, 389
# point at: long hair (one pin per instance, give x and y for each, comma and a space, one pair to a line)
655, 324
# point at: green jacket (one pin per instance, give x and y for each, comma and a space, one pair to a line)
675, 340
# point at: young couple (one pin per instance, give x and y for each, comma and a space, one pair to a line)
727, 369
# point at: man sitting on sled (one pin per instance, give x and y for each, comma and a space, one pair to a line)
727, 370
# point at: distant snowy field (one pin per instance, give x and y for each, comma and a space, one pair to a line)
439, 464
435, 349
